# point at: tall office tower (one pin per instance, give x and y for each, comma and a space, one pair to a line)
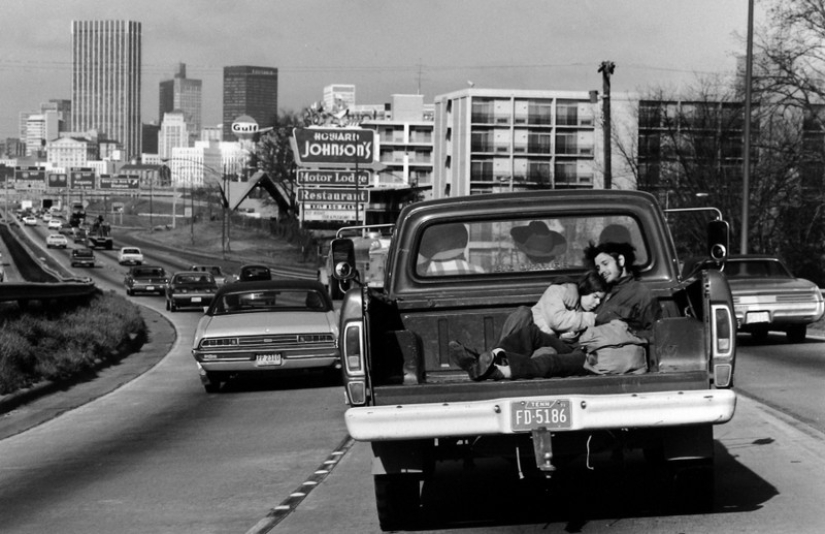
106, 61
182, 94
249, 91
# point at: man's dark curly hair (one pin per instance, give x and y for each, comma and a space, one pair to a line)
614, 249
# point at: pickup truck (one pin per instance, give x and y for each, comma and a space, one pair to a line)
415, 407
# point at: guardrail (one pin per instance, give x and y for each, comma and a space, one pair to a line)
44, 282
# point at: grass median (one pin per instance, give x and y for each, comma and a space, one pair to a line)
59, 340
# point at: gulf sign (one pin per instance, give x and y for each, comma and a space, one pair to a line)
317, 146
244, 125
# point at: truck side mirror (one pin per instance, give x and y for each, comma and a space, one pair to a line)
342, 254
718, 240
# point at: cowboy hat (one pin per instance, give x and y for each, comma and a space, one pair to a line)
444, 242
538, 242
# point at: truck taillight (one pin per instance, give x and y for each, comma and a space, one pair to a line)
352, 350
724, 342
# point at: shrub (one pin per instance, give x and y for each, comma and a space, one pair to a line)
57, 341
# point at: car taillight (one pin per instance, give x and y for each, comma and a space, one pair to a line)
352, 349
723, 345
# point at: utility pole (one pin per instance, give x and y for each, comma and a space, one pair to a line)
746, 144
606, 68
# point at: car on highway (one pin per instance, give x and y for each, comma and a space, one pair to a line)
766, 296
130, 256
272, 326
56, 241
83, 257
54, 224
254, 272
146, 279
215, 270
190, 289
30, 220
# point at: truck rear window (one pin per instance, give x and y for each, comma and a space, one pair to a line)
520, 245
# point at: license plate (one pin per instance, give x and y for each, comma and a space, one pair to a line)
196, 299
529, 415
150, 288
268, 360
758, 317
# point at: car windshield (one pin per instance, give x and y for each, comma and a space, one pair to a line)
131, 251
269, 300
480, 248
756, 269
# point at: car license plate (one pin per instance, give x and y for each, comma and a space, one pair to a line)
268, 360
196, 299
529, 415
758, 317
150, 288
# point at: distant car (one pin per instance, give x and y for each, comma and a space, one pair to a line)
146, 279
56, 241
269, 326
130, 256
190, 289
215, 270
46, 216
83, 257
30, 220
79, 235
55, 224
766, 296
254, 272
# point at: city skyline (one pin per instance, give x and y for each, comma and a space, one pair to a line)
382, 47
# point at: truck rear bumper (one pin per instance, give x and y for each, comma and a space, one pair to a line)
587, 412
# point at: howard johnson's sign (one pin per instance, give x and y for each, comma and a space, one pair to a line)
320, 146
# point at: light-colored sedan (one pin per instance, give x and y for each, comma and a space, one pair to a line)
766, 296
30, 220
130, 256
55, 224
56, 241
273, 326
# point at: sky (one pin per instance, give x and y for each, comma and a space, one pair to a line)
383, 47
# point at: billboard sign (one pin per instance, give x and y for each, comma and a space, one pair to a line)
314, 177
29, 178
120, 181
319, 146
333, 195
84, 179
56, 180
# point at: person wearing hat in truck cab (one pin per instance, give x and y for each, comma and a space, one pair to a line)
539, 244
442, 251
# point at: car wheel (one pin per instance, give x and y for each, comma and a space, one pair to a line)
212, 382
797, 333
130, 292
398, 500
167, 305
172, 307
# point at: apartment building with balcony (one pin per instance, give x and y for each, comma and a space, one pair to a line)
492, 140
405, 138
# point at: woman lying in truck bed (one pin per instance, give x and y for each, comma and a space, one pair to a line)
615, 345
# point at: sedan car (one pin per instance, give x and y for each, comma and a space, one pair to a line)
146, 279
130, 256
215, 270
57, 241
30, 220
766, 296
252, 272
190, 289
55, 224
275, 326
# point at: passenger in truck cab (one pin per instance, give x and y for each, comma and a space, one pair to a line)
443, 251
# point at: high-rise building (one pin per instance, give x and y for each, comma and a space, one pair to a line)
249, 91
106, 71
173, 133
182, 94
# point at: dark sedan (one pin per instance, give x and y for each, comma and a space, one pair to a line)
254, 272
146, 279
190, 289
